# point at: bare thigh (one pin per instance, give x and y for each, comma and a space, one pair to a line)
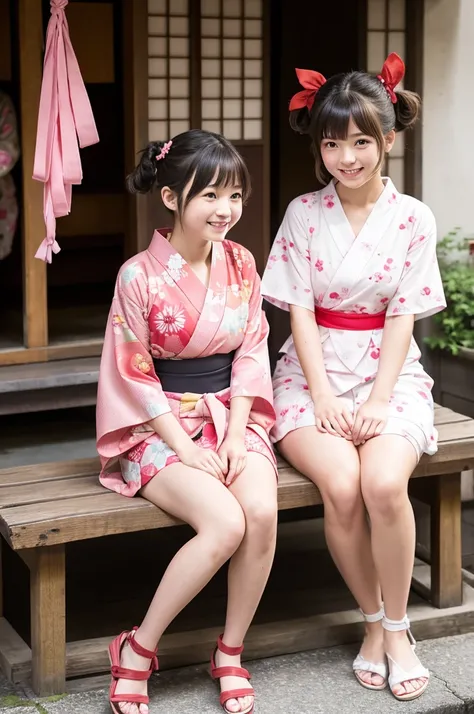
193, 496
331, 462
256, 488
387, 462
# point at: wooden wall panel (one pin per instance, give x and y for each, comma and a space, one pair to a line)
91, 26
93, 214
5, 42
299, 44
249, 231
135, 78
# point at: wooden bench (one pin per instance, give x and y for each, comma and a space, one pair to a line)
44, 507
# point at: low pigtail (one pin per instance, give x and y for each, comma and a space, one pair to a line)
143, 177
407, 109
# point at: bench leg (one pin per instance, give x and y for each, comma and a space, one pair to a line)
446, 550
48, 619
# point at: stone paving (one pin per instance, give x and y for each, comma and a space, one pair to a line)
316, 682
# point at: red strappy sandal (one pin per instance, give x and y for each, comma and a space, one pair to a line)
218, 672
118, 672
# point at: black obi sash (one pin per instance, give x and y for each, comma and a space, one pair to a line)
200, 375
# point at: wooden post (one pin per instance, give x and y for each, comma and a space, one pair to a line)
135, 73
48, 620
35, 310
446, 552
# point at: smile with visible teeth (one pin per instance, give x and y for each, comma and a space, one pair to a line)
351, 171
219, 224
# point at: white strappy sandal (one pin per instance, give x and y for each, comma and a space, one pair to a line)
398, 675
363, 665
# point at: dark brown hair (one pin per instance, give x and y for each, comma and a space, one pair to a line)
363, 98
195, 156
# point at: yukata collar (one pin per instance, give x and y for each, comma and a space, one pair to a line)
160, 243
389, 189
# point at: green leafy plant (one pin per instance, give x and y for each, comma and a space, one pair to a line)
455, 325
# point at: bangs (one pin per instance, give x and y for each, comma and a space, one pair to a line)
220, 166
332, 121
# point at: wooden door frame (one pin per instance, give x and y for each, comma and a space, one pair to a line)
138, 228
35, 306
415, 15
135, 73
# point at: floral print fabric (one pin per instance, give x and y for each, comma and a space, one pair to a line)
9, 154
162, 310
390, 265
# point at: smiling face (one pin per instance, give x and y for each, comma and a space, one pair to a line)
355, 159
210, 214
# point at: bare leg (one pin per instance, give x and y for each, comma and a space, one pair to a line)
332, 463
207, 505
256, 491
387, 463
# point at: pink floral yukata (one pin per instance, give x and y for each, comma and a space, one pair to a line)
161, 309
391, 265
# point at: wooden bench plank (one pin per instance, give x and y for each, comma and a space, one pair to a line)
456, 431
52, 504
443, 415
75, 506
40, 473
57, 490
107, 513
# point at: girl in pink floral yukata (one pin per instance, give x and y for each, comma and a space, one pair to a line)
355, 265
185, 406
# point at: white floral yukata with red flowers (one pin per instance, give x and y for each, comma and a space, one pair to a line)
162, 310
391, 265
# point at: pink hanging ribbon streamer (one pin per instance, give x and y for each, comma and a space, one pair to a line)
64, 111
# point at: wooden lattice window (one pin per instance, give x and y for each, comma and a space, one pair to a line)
169, 109
386, 32
232, 68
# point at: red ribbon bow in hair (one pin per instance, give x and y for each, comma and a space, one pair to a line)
392, 73
312, 81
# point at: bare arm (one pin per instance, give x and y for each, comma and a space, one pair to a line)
331, 416
232, 452
239, 416
171, 431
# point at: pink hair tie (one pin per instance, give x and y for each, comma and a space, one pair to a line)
164, 150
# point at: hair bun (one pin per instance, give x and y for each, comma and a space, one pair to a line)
300, 120
143, 177
407, 109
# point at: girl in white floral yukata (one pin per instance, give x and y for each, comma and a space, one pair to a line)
185, 405
355, 264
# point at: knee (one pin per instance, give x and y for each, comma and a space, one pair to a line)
261, 518
342, 497
384, 495
226, 532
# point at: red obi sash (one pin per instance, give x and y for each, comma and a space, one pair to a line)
348, 320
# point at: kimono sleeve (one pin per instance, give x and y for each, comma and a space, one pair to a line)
251, 375
129, 392
287, 277
420, 291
